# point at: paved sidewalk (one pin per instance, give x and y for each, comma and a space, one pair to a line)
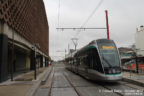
23, 85
135, 78
30, 75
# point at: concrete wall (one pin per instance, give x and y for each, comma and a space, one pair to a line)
27, 61
3, 55
17, 37
22, 51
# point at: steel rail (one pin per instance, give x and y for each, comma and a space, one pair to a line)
78, 93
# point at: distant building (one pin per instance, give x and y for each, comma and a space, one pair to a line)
23, 23
132, 46
139, 40
125, 52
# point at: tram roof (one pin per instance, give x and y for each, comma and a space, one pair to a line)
91, 45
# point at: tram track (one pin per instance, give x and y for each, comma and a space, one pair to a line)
121, 88
78, 93
90, 86
52, 80
62, 82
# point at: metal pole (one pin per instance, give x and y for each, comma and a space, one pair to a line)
65, 53
75, 42
107, 24
35, 76
75, 47
130, 71
137, 64
68, 48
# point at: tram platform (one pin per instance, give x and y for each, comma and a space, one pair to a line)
23, 85
135, 78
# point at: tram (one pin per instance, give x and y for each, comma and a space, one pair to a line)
99, 60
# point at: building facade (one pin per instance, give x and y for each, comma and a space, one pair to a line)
24, 36
139, 39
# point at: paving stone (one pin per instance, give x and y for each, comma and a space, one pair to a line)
63, 92
42, 92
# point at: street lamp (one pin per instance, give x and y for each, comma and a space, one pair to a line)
35, 46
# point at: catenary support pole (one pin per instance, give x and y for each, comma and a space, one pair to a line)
107, 25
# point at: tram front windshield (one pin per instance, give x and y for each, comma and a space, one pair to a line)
109, 54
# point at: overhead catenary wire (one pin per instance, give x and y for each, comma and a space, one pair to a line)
90, 16
93, 12
59, 13
86, 21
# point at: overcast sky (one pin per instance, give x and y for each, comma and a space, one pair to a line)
124, 17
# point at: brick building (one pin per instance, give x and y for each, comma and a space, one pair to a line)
24, 36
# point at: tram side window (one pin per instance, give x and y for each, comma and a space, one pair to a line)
90, 60
95, 61
86, 61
